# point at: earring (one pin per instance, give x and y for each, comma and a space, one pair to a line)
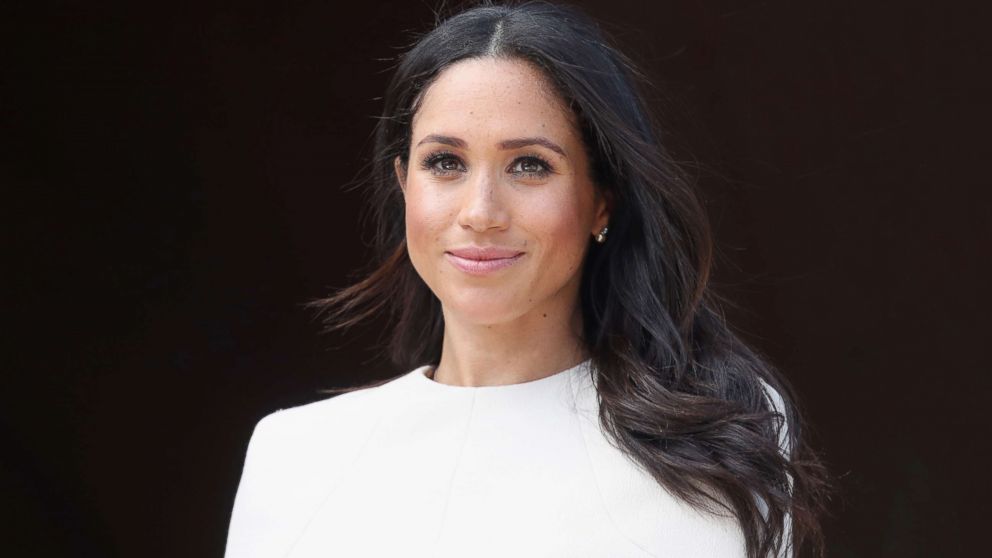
601, 237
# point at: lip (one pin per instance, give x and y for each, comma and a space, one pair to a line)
482, 260
484, 252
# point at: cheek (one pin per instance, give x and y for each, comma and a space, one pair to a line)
560, 223
426, 217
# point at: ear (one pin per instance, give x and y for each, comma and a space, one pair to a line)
400, 173
604, 208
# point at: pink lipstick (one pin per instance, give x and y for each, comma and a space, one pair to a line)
482, 260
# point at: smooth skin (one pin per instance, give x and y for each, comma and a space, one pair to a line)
523, 322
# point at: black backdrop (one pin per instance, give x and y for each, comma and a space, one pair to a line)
172, 177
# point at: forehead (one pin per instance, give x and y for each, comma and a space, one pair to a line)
492, 95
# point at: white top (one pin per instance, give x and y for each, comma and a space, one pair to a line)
416, 468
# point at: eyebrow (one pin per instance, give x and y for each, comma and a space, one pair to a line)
505, 144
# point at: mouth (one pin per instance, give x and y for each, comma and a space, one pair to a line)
482, 264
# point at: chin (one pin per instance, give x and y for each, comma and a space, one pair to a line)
483, 308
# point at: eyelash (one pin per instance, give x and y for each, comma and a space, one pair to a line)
435, 157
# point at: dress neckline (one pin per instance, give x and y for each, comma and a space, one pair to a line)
420, 376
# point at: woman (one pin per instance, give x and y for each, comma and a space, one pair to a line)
571, 388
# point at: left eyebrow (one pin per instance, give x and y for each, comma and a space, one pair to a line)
537, 140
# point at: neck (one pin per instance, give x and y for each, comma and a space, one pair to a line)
533, 346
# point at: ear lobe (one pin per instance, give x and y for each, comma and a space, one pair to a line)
400, 173
605, 208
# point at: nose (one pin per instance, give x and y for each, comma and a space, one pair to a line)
482, 206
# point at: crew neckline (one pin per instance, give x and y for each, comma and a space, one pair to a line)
420, 375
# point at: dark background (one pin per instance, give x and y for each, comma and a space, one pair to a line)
172, 178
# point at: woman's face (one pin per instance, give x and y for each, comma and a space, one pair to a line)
496, 163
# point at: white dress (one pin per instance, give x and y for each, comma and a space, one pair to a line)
417, 468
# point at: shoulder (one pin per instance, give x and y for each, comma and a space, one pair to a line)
309, 427
777, 404
302, 419
775, 398
295, 455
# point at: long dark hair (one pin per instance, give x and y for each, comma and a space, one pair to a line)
679, 391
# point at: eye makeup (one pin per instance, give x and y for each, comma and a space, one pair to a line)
430, 163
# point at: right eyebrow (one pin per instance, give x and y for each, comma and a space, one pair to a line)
446, 140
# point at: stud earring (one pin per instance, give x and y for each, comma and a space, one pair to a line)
601, 237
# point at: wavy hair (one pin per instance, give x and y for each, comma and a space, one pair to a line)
679, 391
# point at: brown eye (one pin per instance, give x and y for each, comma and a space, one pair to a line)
533, 167
441, 163
530, 165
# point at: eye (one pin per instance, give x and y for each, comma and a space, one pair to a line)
441, 163
448, 164
532, 166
